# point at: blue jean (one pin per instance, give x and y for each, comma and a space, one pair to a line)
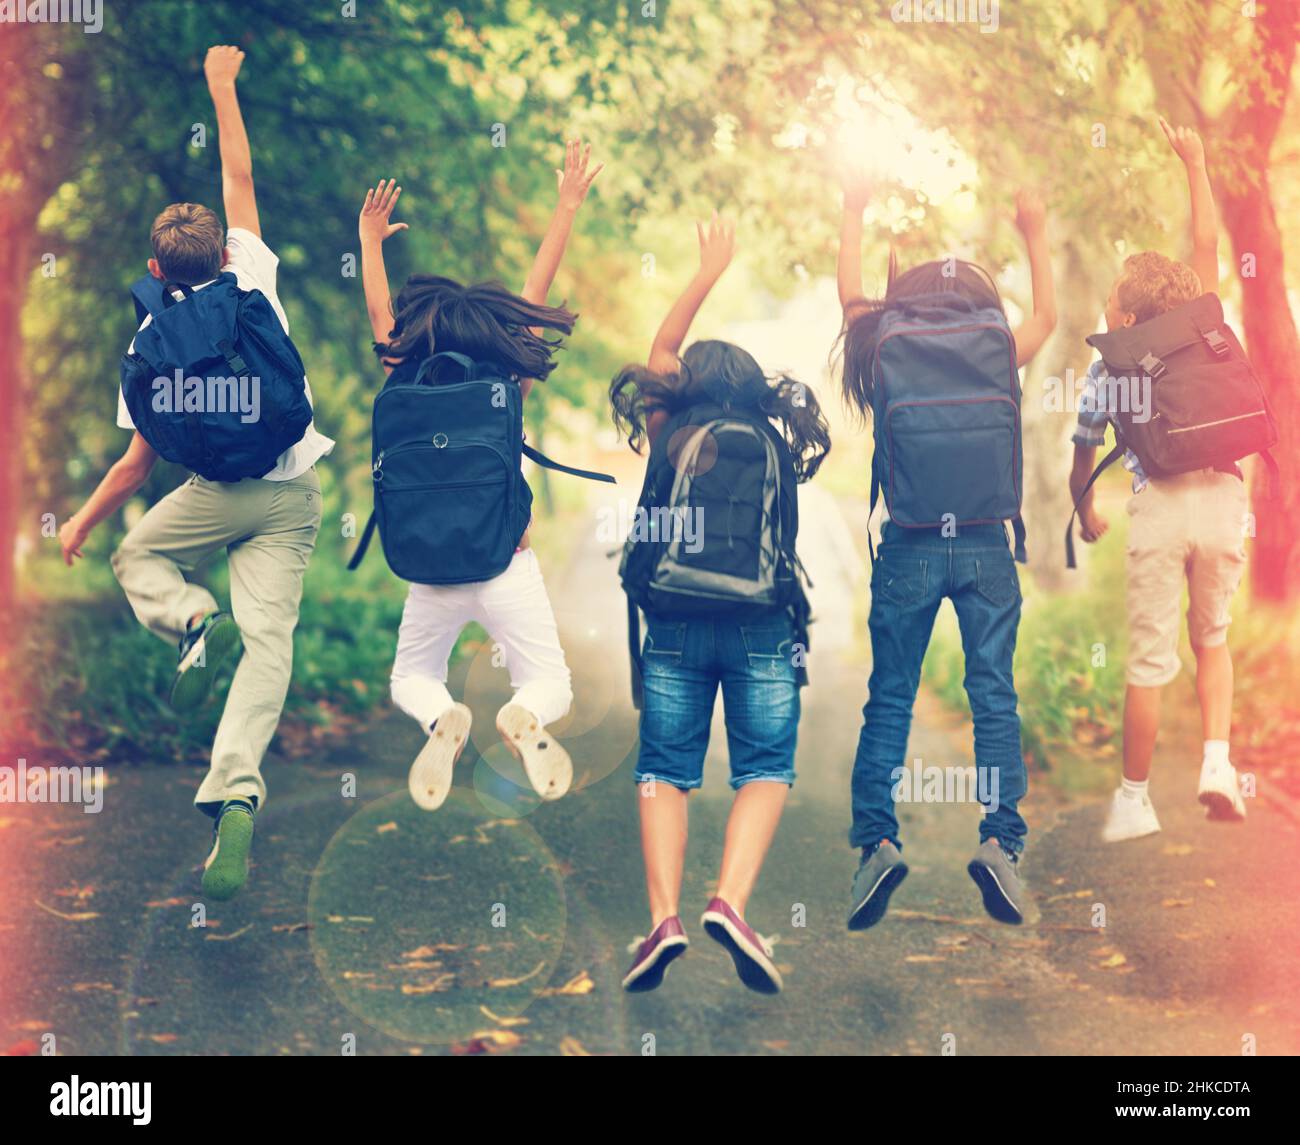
913, 572
684, 662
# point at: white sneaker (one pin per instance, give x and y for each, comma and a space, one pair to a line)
545, 761
429, 781
1130, 817
1221, 793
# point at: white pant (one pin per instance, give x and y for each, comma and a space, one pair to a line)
516, 612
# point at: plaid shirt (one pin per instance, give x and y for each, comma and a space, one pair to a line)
1094, 416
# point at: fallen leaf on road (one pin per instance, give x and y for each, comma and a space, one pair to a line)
1211, 883
1116, 959
227, 937
572, 1048
1176, 902
580, 983
439, 985
86, 987
66, 841
290, 927
502, 1021
384, 828
925, 958
1178, 849
505, 982
34, 1024
488, 1042
70, 916
430, 951
777, 1045
162, 1039
1072, 895
168, 902
24, 1049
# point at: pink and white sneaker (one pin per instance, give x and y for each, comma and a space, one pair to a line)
654, 955
749, 950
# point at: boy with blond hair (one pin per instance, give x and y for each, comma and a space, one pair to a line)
267, 523
1186, 528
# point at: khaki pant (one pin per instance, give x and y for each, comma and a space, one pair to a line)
268, 529
1187, 528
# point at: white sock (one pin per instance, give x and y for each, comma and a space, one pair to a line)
1216, 752
1133, 788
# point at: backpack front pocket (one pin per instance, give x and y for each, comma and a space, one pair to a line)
953, 461
446, 512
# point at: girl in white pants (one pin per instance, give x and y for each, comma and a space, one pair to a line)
489, 324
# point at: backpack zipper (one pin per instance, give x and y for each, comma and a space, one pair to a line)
1212, 424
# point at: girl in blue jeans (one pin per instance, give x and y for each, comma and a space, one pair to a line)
914, 570
749, 650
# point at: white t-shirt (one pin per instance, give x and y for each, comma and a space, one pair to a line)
253, 264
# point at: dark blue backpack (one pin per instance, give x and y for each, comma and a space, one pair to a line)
213, 383
451, 502
946, 408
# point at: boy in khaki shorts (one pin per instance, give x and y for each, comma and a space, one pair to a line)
1185, 528
266, 525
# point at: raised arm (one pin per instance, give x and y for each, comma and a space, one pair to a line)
574, 182
221, 66
717, 245
1188, 147
125, 476
857, 193
373, 227
1031, 221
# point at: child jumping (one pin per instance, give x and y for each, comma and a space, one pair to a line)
718, 579
939, 328
1184, 528
266, 523
436, 323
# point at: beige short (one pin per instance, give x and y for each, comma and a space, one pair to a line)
1189, 527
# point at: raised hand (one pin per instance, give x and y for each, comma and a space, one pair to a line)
717, 244
221, 65
1031, 213
1186, 143
858, 185
575, 180
373, 225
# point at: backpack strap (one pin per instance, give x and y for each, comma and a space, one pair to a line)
871, 512
1018, 532
546, 463
634, 649
154, 295
362, 544
427, 366
1106, 462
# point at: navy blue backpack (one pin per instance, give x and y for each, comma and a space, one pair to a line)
213, 383
451, 502
946, 408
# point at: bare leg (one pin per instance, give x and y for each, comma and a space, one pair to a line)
1214, 690
1141, 723
750, 828
663, 846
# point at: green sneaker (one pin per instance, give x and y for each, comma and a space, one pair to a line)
204, 648
226, 868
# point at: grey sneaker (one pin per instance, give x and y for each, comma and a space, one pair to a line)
878, 877
996, 873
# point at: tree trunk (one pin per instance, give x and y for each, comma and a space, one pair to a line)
1270, 334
